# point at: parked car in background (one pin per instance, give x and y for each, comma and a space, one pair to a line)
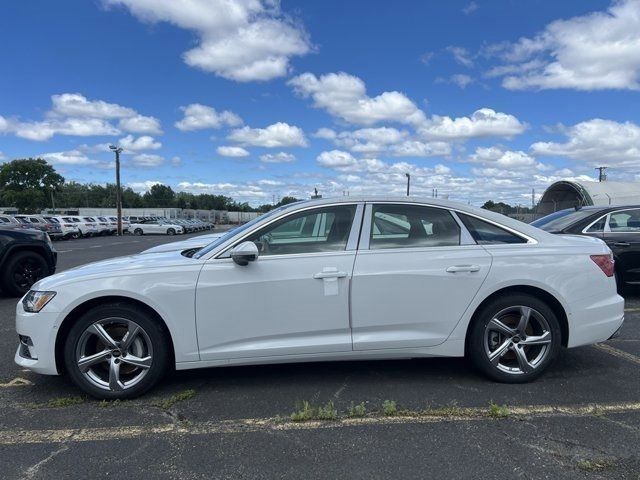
26, 256
102, 226
68, 229
86, 228
40, 223
187, 227
147, 227
326, 280
10, 221
114, 224
618, 226
193, 243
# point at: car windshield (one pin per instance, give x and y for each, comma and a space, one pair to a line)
231, 233
558, 221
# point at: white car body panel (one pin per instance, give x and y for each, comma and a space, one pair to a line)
155, 228
274, 310
193, 242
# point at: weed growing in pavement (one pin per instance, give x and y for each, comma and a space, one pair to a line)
594, 465
60, 402
305, 412
110, 403
169, 402
359, 410
328, 411
448, 411
389, 408
498, 411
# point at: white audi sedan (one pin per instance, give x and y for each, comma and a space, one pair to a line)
345, 279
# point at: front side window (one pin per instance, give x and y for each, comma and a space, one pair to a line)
626, 221
312, 231
403, 226
485, 233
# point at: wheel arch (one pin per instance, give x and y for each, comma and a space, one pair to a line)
537, 292
84, 307
23, 247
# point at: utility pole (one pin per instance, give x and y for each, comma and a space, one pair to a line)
118, 151
533, 199
408, 182
602, 173
53, 203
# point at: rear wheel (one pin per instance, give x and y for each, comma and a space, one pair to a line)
171, 231
22, 270
138, 231
514, 338
116, 351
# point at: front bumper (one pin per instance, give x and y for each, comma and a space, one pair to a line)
41, 330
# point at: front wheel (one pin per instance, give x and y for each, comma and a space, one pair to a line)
22, 270
138, 231
116, 351
514, 339
171, 231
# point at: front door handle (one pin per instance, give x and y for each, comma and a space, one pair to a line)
330, 274
621, 244
463, 268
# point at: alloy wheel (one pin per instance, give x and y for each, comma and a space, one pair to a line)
27, 272
114, 354
517, 340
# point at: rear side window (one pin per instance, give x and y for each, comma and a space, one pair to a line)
598, 227
625, 221
404, 226
485, 233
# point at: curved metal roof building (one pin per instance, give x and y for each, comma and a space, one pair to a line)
568, 194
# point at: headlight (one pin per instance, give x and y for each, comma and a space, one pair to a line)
34, 301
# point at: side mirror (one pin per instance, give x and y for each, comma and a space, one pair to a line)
244, 253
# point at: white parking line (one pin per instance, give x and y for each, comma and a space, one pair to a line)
618, 353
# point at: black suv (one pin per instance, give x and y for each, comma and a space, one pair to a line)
26, 256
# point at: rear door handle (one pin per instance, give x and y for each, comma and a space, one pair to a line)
321, 275
621, 244
463, 268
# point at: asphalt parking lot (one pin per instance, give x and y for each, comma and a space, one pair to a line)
580, 420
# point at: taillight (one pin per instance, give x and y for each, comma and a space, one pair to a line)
605, 262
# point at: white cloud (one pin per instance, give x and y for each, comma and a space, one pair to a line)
242, 40
345, 96
278, 135
141, 124
71, 157
143, 186
145, 142
597, 141
324, 133
77, 105
600, 50
198, 117
280, 157
240, 192
336, 159
226, 151
469, 8
461, 80
497, 157
484, 122
416, 148
147, 160
74, 115
176, 161
461, 55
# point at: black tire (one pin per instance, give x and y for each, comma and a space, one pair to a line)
480, 337
21, 271
76, 235
160, 363
171, 231
138, 231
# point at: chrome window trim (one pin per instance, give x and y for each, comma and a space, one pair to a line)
604, 229
224, 253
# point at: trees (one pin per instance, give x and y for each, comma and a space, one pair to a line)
159, 196
28, 183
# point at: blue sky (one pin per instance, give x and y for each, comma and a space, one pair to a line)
255, 99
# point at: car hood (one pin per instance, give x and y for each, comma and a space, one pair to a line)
194, 242
114, 266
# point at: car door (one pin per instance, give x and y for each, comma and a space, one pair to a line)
622, 234
294, 300
416, 272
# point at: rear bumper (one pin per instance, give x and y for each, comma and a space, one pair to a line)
595, 320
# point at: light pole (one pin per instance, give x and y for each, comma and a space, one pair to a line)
408, 182
117, 151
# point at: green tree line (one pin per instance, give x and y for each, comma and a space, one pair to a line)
32, 185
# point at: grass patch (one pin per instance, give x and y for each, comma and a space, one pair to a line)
109, 403
390, 408
594, 465
169, 402
60, 402
357, 411
448, 411
306, 412
498, 411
